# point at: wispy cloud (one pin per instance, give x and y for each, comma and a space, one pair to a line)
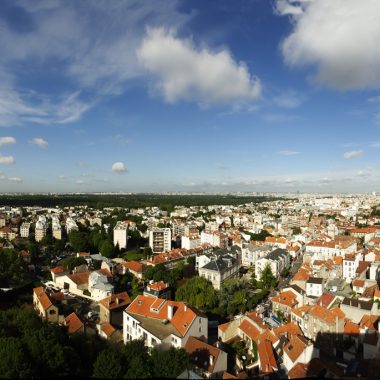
7, 140
7, 160
288, 152
353, 154
39, 142
289, 99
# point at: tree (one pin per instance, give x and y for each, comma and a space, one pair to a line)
199, 292
267, 278
109, 365
71, 262
107, 249
169, 363
138, 360
13, 361
79, 241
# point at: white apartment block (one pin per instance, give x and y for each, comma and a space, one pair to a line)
162, 323
190, 242
215, 239
71, 225
350, 264
120, 235
324, 250
40, 230
56, 228
160, 240
24, 230
251, 253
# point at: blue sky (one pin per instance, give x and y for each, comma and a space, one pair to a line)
171, 95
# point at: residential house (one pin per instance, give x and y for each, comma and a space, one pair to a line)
111, 308
44, 305
162, 323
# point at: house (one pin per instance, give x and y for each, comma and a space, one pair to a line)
284, 302
356, 309
162, 323
266, 357
109, 332
316, 319
299, 350
57, 272
158, 289
314, 287
73, 324
209, 361
220, 269
44, 305
278, 260
111, 308
134, 267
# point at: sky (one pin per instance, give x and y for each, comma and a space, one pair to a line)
190, 96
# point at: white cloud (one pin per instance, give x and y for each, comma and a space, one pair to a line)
7, 140
119, 167
288, 152
39, 142
186, 72
339, 37
7, 160
289, 99
375, 144
353, 154
10, 179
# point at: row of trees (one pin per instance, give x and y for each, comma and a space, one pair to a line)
31, 348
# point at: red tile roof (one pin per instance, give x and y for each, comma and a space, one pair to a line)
73, 323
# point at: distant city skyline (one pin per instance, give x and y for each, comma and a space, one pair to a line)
190, 96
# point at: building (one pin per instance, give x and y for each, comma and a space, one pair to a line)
111, 308
40, 230
220, 269
71, 225
160, 240
44, 306
162, 323
314, 287
278, 260
56, 228
120, 235
24, 230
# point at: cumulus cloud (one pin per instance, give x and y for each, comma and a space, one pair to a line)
7, 140
39, 142
119, 167
7, 160
288, 152
339, 38
353, 154
185, 72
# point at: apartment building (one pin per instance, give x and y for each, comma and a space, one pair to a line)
56, 228
162, 323
278, 260
160, 240
120, 235
71, 225
40, 230
324, 250
25, 229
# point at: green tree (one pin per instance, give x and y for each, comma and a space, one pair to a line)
79, 241
109, 365
199, 292
169, 363
13, 360
267, 278
107, 249
71, 262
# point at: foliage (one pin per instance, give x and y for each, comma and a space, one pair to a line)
109, 365
170, 363
296, 230
107, 249
257, 237
267, 278
12, 268
199, 292
71, 262
79, 241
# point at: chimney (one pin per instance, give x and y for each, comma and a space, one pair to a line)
185, 307
211, 360
170, 312
117, 301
